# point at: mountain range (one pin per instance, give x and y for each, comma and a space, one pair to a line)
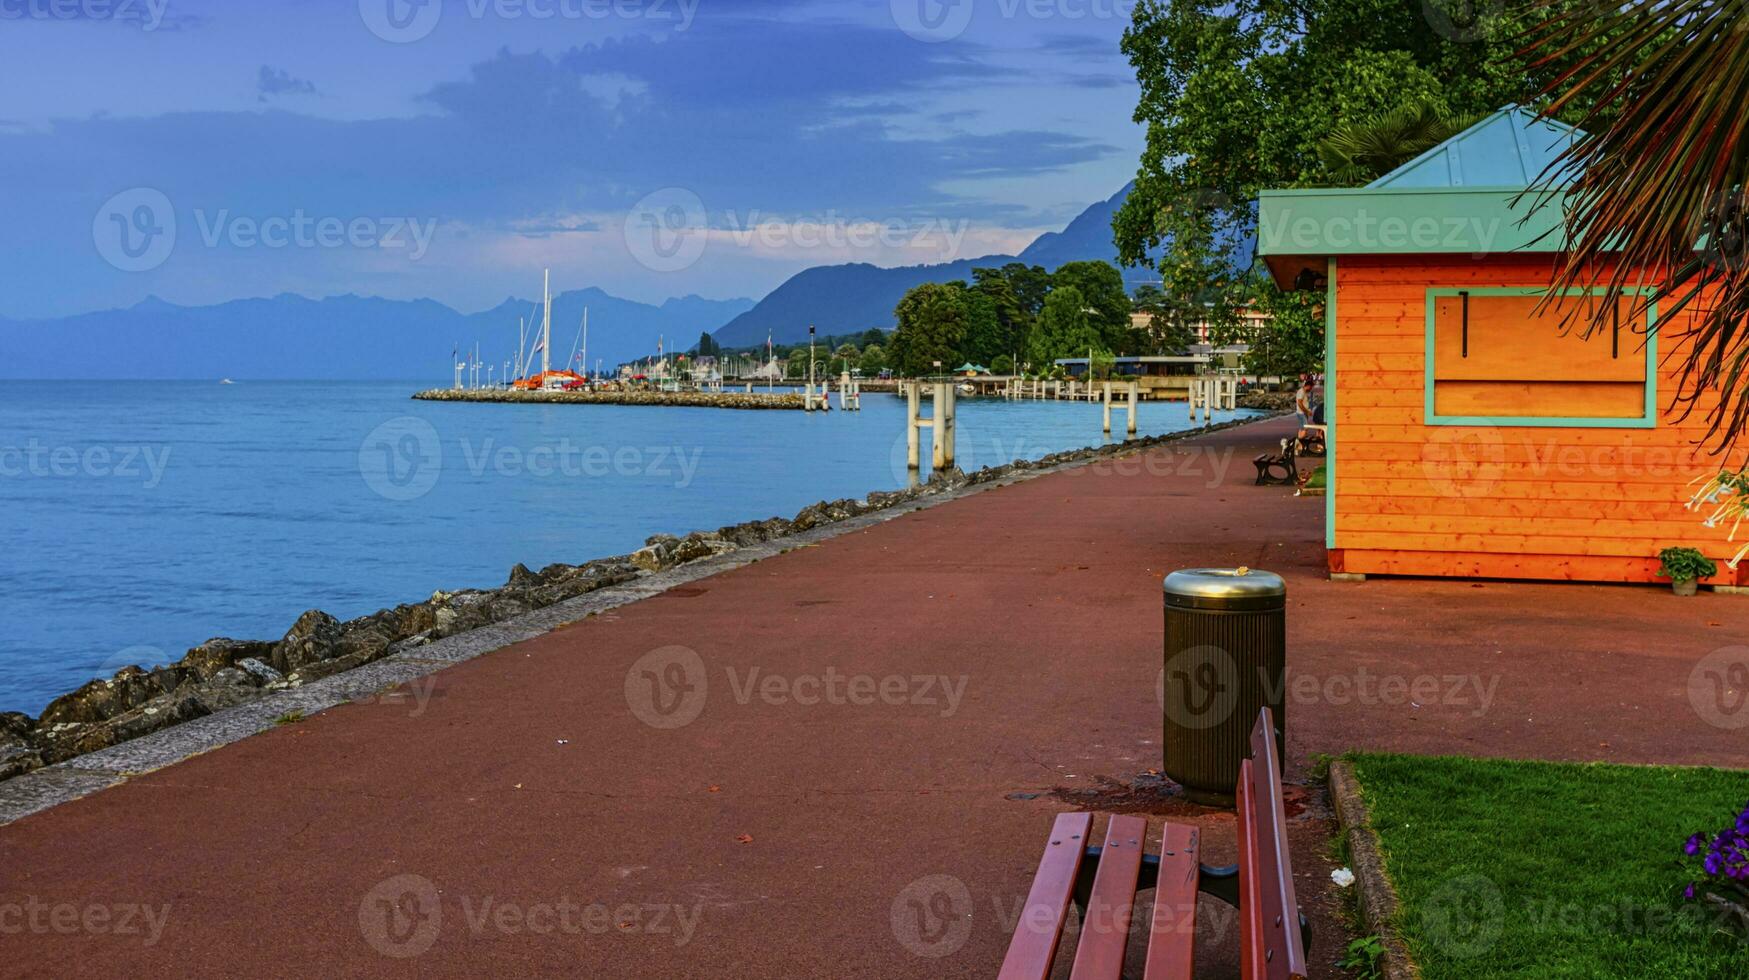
839, 300
340, 337
358, 337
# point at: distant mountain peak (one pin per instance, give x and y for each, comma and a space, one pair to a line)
153, 304
850, 298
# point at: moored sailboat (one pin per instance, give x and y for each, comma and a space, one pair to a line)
547, 379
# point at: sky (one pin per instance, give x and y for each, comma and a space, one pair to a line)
200, 151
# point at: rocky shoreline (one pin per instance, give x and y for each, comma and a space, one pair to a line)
223, 672
1268, 401
688, 399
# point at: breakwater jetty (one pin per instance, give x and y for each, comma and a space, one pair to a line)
685, 399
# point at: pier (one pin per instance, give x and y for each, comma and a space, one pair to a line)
750, 399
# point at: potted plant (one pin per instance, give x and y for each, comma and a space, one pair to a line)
1684, 567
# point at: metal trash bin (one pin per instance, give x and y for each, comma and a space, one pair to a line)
1225, 659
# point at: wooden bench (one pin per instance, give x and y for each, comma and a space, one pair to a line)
1102, 882
1268, 463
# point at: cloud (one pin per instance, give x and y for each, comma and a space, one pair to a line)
274, 82
1099, 81
535, 156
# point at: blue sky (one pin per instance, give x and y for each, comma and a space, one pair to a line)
201, 150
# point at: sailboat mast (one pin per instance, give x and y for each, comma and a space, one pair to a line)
585, 356
546, 330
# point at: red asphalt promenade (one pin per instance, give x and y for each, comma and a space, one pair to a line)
841, 761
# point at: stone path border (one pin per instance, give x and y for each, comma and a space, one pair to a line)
1377, 898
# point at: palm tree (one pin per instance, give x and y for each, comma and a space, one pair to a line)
1357, 152
1655, 196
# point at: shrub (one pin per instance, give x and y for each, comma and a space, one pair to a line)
1681, 564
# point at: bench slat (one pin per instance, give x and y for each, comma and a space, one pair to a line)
1041, 921
1105, 930
1283, 954
1172, 937
1252, 965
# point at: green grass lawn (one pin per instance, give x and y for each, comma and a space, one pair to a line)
1533, 869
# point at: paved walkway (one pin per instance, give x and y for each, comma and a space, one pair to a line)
833, 807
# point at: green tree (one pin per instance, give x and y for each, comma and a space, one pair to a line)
1064, 329
1018, 291
873, 335
931, 326
1294, 341
873, 360
707, 345
985, 337
843, 359
797, 364
1101, 288
1001, 364
1237, 94
1031, 284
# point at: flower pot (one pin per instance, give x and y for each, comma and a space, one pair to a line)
1686, 586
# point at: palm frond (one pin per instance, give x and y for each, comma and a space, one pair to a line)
1655, 197
1356, 152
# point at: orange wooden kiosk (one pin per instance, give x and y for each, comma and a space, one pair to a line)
1468, 435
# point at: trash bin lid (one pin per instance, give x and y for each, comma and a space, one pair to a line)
1225, 588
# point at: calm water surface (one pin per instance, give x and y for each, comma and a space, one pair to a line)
141, 518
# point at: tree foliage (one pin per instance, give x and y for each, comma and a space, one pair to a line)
1017, 312
1237, 94
873, 360
931, 326
1066, 327
1102, 293
1358, 152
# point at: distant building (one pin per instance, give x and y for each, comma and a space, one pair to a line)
1253, 321
1161, 376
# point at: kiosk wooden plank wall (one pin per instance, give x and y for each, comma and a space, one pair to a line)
1518, 498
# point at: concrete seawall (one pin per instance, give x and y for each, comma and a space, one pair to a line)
687, 399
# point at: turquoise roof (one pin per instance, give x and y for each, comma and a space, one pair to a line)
1509, 148
1462, 197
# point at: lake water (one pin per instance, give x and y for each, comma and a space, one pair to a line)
141, 518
